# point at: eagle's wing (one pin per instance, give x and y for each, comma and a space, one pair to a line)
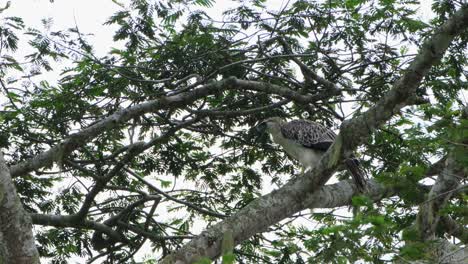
316, 136
309, 134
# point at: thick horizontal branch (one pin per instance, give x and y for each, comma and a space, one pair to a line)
66, 146
74, 222
279, 204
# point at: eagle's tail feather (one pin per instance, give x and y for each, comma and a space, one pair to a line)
359, 177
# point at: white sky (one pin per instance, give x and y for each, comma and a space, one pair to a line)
88, 15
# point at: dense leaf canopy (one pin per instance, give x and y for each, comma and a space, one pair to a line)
136, 152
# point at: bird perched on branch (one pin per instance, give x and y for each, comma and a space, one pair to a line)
307, 141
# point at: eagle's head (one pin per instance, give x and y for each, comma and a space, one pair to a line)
270, 124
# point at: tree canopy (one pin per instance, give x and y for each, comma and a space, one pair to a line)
148, 153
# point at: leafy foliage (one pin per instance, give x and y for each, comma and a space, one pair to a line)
211, 164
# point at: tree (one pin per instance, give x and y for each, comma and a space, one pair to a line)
144, 145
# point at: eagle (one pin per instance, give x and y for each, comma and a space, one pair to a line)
307, 141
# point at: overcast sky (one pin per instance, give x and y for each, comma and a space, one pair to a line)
89, 15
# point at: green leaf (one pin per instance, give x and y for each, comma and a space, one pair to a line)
205, 3
203, 260
352, 3
228, 258
361, 200
377, 220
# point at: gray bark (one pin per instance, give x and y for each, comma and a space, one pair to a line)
450, 253
447, 181
429, 216
16, 237
66, 146
443, 252
291, 198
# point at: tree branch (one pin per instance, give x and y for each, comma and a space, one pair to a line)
192, 206
115, 120
16, 236
234, 113
279, 204
447, 182
134, 150
452, 228
308, 74
74, 222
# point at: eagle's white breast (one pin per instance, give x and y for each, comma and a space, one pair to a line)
306, 156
